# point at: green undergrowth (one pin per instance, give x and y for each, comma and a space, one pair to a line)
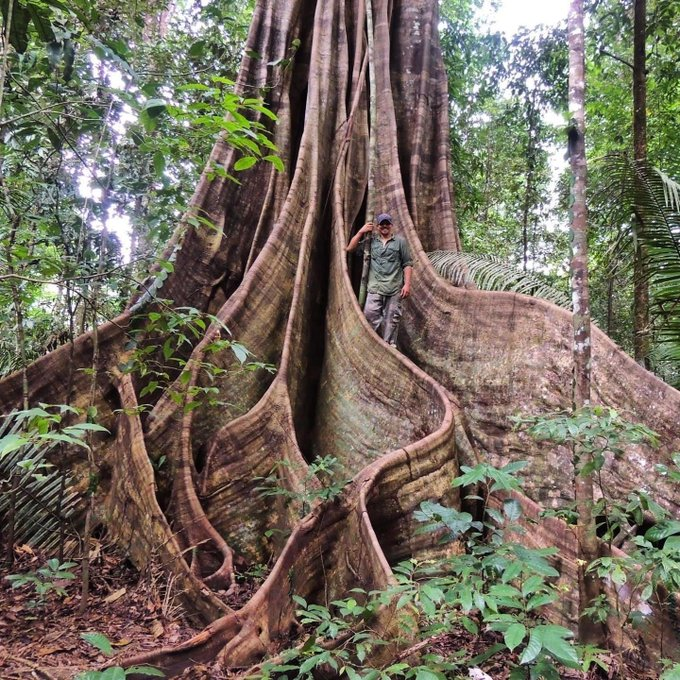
497, 590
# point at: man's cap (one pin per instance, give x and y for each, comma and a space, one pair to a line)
384, 217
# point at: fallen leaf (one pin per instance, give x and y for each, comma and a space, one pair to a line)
157, 628
121, 643
55, 635
116, 595
95, 550
24, 550
46, 651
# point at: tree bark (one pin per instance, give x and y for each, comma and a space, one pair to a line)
589, 585
641, 328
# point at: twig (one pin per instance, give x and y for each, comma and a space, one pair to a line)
53, 107
615, 58
409, 651
84, 277
30, 664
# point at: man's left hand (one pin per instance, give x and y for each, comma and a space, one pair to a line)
405, 292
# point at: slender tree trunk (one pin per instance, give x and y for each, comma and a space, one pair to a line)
529, 182
373, 126
641, 337
589, 586
92, 466
525, 222
610, 305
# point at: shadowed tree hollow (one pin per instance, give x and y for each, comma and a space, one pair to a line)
269, 262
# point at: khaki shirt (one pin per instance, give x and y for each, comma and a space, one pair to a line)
386, 276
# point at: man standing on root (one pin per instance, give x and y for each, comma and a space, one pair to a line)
389, 278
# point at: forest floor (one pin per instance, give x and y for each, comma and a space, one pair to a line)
41, 637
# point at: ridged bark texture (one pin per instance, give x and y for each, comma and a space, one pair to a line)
276, 273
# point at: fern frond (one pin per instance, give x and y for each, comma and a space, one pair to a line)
492, 273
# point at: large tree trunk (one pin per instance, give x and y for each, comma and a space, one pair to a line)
276, 273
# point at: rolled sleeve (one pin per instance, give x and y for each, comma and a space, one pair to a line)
406, 259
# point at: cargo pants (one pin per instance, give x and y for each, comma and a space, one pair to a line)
383, 312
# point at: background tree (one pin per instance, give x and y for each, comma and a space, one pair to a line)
611, 72
589, 584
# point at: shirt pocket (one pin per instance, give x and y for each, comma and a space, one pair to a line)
391, 255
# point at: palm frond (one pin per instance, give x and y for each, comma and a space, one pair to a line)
671, 191
488, 272
655, 200
665, 361
38, 511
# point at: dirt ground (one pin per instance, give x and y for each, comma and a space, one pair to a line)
41, 637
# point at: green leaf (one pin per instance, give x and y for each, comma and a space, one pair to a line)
310, 663
245, 163
10, 443
514, 635
533, 648
672, 673
554, 641
154, 107
197, 49
487, 654
145, 670
300, 600
512, 509
540, 600
65, 439
426, 674
469, 625
490, 272
239, 351
512, 571
275, 161
147, 121
18, 36
466, 598
158, 163
55, 138
91, 427
672, 544
647, 592
662, 530
101, 642
113, 673
532, 584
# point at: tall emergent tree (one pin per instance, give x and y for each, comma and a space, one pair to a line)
267, 258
